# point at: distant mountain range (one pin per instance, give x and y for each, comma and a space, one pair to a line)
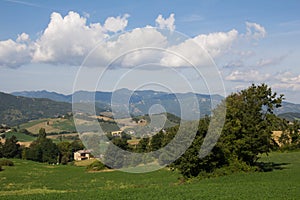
16, 109
139, 103
45, 94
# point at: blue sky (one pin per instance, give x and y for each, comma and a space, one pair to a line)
249, 41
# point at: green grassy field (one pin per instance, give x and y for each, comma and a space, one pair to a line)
65, 125
29, 180
20, 136
50, 124
57, 125
32, 123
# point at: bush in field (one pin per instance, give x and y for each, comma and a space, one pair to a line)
6, 162
96, 166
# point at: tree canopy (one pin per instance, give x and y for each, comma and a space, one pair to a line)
11, 148
246, 133
249, 122
43, 149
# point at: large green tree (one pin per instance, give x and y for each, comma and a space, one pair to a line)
246, 134
249, 122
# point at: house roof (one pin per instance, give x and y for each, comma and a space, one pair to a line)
83, 151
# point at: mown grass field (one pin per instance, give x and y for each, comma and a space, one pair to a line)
23, 138
58, 125
20, 136
29, 180
50, 125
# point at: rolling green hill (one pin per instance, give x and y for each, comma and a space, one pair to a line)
288, 107
290, 116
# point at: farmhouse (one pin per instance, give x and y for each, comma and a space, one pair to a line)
82, 155
276, 135
142, 122
116, 133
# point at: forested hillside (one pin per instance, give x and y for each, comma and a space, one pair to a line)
15, 110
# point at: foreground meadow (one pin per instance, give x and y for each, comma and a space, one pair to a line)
30, 180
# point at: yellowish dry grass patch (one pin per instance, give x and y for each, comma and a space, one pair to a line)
31, 191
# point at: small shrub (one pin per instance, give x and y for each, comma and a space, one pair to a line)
0, 168
96, 166
6, 162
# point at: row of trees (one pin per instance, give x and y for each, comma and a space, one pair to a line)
42, 149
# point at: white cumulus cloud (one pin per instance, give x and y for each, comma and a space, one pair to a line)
23, 38
14, 54
255, 30
115, 24
129, 49
168, 23
67, 39
195, 49
217, 43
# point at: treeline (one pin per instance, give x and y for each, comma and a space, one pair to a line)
42, 149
